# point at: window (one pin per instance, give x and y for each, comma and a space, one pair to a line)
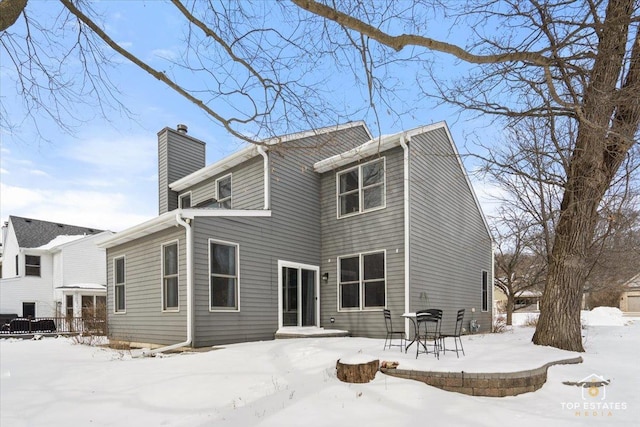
170, 276
32, 265
119, 285
184, 200
362, 188
69, 306
223, 285
28, 310
17, 265
362, 283
485, 292
223, 188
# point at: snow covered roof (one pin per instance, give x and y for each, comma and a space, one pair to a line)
34, 233
94, 286
634, 282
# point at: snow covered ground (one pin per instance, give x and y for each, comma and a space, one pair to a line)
57, 382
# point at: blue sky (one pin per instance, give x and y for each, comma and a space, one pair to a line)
105, 174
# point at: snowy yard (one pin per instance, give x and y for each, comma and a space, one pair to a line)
55, 382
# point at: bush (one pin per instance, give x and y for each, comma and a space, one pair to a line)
500, 324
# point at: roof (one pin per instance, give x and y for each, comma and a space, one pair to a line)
634, 282
170, 219
250, 152
374, 146
34, 233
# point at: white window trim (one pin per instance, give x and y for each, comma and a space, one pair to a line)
162, 306
183, 195
297, 265
115, 277
230, 198
26, 266
361, 281
237, 246
361, 209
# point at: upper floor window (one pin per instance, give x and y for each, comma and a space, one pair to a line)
184, 200
223, 189
361, 188
119, 302
170, 276
361, 281
223, 267
32, 265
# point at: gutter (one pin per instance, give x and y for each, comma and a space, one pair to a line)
407, 295
267, 177
189, 245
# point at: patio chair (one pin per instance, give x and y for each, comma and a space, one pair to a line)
455, 335
388, 341
431, 319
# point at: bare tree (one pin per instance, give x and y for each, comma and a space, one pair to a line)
578, 60
518, 264
269, 62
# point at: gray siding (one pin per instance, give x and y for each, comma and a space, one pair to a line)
376, 230
247, 186
257, 318
178, 156
450, 246
144, 320
291, 234
295, 191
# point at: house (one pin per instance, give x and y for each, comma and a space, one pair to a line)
319, 229
51, 269
526, 301
630, 298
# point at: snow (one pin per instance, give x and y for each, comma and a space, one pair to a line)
292, 382
60, 240
95, 286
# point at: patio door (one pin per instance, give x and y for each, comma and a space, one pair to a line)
298, 294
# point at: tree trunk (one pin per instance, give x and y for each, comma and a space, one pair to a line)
607, 127
510, 309
357, 372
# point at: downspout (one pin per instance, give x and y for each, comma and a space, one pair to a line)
189, 245
267, 177
407, 288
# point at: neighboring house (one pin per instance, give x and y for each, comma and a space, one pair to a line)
630, 298
525, 301
51, 269
317, 229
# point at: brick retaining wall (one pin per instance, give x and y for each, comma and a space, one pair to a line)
497, 384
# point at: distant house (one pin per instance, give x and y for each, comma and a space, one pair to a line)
526, 301
630, 298
320, 229
51, 269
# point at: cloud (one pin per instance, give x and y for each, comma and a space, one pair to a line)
102, 210
3, 171
38, 172
167, 54
116, 153
489, 195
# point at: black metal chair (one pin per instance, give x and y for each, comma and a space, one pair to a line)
388, 341
431, 319
455, 335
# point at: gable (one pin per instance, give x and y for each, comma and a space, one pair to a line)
33, 233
